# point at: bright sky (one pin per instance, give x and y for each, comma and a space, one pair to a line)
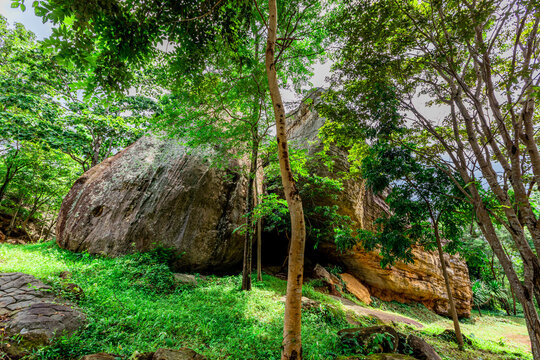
27, 18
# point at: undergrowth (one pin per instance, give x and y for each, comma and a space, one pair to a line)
132, 304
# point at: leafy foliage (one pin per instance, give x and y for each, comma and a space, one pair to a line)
319, 193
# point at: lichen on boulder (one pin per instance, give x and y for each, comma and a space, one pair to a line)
157, 193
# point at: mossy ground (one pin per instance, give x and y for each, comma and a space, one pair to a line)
133, 305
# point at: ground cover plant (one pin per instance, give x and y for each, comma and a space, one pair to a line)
133, 305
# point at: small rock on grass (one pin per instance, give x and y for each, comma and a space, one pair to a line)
99, 356
421, 349
389, 357
180, 354
185, 279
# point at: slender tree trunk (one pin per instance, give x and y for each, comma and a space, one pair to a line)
41, 231
51, 225
513, 298
11, 171
44, 223
292, 339
32, 212
453, 311
3, 189
96, 148
7, 179
259, 236
14, 218
248, 242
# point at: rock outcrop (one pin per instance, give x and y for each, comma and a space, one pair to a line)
356, 288
421, 281
155, 193
159, 354
30, 315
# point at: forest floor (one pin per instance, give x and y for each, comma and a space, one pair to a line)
133, 304
504, 329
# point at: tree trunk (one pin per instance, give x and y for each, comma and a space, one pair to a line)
259, 236
453, 311
44, 223
292, 340
537, 297
32, 212
523, 290
54, 219
96, 148
14, 218
248, 242
513, 299
7, 179
533, 324
3, 188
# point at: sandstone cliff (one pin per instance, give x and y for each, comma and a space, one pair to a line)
421, 281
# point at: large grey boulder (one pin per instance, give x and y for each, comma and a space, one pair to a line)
156, 193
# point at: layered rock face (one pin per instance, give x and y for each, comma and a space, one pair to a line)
421, 281
155, 193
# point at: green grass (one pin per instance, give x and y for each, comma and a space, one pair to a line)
133, 304
494, 337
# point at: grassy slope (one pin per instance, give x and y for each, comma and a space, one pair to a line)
132, 305
491, 334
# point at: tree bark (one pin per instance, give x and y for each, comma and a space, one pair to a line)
14, 218
248, 242
54, 219
259, 236
453, 311
523, 290
513, 299
292, 340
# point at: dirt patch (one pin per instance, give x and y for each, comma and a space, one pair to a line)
384, 317
518, 338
